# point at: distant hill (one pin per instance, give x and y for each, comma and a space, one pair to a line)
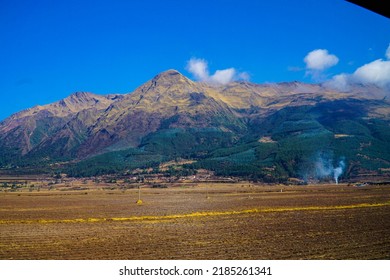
267, 132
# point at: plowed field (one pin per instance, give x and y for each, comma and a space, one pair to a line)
219, 221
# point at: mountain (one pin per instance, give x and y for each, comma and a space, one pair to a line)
269, 132
65, 121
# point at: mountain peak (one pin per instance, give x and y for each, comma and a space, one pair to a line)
169, 75
167, 79
79, 97
170, 72
81, 94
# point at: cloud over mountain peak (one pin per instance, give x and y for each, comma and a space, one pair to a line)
198, 67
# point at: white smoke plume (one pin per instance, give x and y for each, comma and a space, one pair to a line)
338, 171
324, 168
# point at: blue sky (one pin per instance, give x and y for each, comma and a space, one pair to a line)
50, 49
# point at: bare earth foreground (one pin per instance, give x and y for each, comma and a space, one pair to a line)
198, 221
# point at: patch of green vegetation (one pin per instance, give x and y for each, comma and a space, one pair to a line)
114, 162
186, 143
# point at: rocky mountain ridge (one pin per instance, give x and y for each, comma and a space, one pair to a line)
202, 119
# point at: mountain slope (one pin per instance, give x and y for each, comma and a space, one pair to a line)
23, 132
269, 131
169, 100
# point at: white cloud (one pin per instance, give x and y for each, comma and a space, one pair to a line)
388, 52
376, 72
295, 68
244, 76
320, 59
339, 82
199, 68
223, 76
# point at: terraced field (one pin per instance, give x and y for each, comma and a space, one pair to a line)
198, 221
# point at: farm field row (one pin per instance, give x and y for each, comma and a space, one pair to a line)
219, 221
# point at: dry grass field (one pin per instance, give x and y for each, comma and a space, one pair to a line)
197, 221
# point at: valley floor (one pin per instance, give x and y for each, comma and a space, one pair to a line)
198, 221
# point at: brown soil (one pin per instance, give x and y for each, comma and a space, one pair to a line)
218, 221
